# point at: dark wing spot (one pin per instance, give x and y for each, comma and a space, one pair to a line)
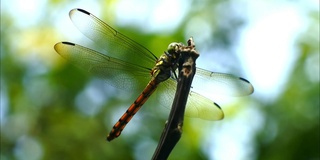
68, 43
244, 80
83, 11
216, 105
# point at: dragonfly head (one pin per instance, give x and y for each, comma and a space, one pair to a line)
173, 49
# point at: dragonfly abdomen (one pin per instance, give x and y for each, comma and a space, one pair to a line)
132, 110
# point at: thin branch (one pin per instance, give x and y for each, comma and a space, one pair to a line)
173, 129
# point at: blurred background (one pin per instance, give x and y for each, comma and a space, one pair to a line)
52, 110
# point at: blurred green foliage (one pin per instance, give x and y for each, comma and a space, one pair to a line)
39, 93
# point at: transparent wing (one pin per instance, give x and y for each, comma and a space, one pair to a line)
201, 107
118, 73
204, 84
207, 83
114, 43
197, 105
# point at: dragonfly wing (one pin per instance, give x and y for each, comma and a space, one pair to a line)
207, 83
201, 107
114, 43
197, 106
116, 72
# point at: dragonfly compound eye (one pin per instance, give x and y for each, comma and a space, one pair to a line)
173, 47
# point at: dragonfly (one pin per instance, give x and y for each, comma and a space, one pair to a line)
124, 63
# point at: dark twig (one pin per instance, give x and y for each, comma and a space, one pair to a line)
173, 129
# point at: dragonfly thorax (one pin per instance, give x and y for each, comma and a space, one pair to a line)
166, 64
